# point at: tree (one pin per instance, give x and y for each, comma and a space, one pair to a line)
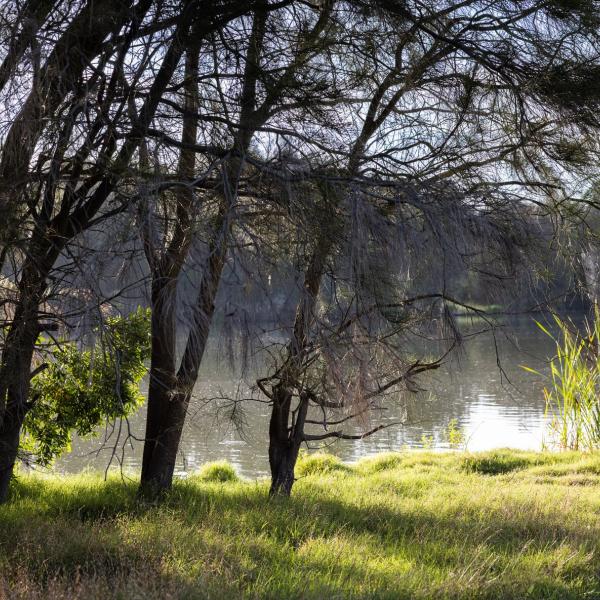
440, 53
355, 135
81, 124
255, 91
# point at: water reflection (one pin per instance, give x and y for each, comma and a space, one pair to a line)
495, 406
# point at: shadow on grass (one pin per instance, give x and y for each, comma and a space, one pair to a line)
204, 533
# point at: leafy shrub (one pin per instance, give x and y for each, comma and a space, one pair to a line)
218, 472
317, 464
81, 389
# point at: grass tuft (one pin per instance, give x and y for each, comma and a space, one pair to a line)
218, 472
380, 462
319, 464
496, 462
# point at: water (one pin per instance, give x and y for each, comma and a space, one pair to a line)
494, 407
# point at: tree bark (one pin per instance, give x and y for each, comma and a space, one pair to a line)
170, 404
284, 445
162, 375
163, 416
16, 359
159, 464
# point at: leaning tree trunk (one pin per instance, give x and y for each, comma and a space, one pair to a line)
162, 378
16, 365
167, 404
171, 400
159, 465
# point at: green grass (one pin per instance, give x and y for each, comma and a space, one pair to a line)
500, 525
218, 472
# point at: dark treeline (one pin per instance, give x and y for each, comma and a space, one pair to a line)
352, 173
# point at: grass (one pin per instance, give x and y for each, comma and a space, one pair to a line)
500, 525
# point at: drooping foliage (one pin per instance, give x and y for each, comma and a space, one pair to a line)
82, 388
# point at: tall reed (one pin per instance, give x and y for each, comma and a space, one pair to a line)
573, 394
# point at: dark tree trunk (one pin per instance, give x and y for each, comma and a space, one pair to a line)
167, 405
157, 474
10, 432
162, 379
170, 397
284, 439
16, 366
282, 459
16, 394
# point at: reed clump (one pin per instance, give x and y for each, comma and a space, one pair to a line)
573, 393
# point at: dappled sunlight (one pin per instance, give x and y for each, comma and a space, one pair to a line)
413, 523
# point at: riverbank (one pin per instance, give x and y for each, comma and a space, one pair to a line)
413, 525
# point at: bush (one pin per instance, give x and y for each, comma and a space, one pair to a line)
218, 472
81, 389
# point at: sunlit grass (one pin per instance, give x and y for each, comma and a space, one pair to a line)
501, 524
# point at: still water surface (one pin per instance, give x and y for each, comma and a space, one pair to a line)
493, 407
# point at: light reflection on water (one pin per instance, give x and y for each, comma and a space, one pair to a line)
493, 409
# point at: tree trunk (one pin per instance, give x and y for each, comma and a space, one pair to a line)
171, 398
282, 459
162, 377
284, 439
15, 371
590, 262
14, 415
166, 406
159, 466
10, 432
